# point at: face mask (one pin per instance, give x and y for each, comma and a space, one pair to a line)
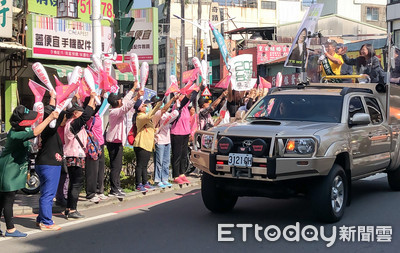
148, 109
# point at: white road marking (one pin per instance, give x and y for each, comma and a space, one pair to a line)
375, 177
67, 224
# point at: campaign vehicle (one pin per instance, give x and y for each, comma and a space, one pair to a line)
311, 140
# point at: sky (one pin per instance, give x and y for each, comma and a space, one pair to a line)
141, 4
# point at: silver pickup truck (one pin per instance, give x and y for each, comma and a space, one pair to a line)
309, 140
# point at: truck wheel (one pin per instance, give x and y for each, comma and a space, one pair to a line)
394, 179
215, 199
329, 196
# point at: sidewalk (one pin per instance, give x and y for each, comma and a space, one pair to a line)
29, 204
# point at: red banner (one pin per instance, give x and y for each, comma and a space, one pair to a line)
266, 53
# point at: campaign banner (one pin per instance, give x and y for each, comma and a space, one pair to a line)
298, 51
241, 67
62, 39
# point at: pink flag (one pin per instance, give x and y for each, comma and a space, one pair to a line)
37, 90
84, 90
190, 74
58, 82
64, 91
124, 67
224, 83
189, 88
264, 83
106, 82
173, 88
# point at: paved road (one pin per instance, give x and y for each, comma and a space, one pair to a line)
177, 221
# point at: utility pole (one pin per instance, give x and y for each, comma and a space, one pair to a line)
96, 26
198, 53
182, 63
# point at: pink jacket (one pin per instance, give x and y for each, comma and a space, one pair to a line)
97, 129
72, 148
116, 132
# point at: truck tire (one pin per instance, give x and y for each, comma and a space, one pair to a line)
215, 199
329, 195
394, 179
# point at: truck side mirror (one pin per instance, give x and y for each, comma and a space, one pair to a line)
360, 119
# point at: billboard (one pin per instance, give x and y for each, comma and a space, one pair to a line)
49, 7
6, 18
62, 39
145, 30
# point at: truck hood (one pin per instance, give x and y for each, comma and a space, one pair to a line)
272, 128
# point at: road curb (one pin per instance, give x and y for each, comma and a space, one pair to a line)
21, 209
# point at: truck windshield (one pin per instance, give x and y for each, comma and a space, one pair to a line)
318, 108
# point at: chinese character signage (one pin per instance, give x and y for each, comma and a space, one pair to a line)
49, 7
215, 17
145, 31
6, 17
61, 39
173, 55
266, 53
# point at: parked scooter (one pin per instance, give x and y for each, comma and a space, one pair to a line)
32, 182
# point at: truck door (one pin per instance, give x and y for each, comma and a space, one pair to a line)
369, 148
378, 135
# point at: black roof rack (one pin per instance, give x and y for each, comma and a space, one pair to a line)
344, 90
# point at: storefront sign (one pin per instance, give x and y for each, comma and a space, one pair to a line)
173, 55
61, 39
215, 17
6, 18
266, 53
145, 30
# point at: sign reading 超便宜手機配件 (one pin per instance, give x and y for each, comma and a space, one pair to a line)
63, 39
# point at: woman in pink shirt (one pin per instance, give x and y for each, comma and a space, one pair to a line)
75, 153
94, 169
180, 131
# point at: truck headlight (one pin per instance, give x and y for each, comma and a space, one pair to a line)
207, 141
300, 146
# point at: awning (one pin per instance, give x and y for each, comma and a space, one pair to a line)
12, 45
63, 70
128, 76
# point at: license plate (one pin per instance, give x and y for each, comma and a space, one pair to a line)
240, 160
